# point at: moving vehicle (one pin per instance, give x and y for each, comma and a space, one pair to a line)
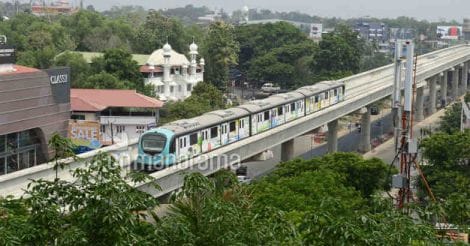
184, 139
270, 88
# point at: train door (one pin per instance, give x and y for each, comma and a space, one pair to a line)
300, 108
265, 121
292, 111
317, 104
340, 93
205, 135
214, 138
232, 131
254, 124
334, 96
224, 133
243, 128
183, 148
274, 118
326, 99
281, 115
194, 142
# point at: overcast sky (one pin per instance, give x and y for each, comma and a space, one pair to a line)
421, 9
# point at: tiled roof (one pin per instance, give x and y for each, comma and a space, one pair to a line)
95, 100
88, 56
20, 70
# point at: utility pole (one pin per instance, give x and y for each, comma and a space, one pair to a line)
396, 100
408, 144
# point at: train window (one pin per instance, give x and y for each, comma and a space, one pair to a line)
233, 126
214, 132
292, 106
193, 139
266, 115
260, 117
326, 95
280, 110
336, 92
317, 98
181, 142
184, 142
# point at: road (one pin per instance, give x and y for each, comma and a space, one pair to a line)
347, 143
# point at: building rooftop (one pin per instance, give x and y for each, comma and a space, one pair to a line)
89, 56
176, 59
96, 100
18, 70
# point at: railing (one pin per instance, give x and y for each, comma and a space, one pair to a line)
127, 120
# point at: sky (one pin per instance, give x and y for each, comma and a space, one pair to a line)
421, 9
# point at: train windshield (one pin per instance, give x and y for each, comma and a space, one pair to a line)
153, 143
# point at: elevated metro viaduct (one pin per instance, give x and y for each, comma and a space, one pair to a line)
444, 72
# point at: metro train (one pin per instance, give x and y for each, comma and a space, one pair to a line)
183, 139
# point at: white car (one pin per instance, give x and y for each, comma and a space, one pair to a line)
244, 179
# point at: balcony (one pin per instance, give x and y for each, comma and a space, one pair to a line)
127, 120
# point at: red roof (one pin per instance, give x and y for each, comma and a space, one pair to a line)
20, 69
95, 100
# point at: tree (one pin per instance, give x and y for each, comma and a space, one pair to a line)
104, 80
204, 98
448, 174
156, 31
340, 52
221, 52
80, 69
99, 208
120, 64
450, 121
218, 211
329, 201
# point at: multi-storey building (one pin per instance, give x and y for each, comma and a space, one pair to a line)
172, 74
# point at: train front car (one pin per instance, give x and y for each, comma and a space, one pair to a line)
155, 149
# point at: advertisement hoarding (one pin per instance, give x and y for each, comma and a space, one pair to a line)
449, 32
85, 133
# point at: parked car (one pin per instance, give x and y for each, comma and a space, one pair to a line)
244, 179
270, 88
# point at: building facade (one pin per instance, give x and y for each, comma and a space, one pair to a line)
34, 104
375, 32
122, 114
172, 74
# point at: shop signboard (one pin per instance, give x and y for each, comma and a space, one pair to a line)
85, 133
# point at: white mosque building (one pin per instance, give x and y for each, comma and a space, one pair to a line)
172, 74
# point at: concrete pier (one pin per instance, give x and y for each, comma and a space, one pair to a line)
287, 150
333, 136
432, 94
419, 104
364, 145
444, 79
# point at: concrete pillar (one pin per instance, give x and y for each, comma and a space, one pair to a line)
333, 136
287, 150
444, 78
455, 83
364, 145
432, 94
419, 104
464, 78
